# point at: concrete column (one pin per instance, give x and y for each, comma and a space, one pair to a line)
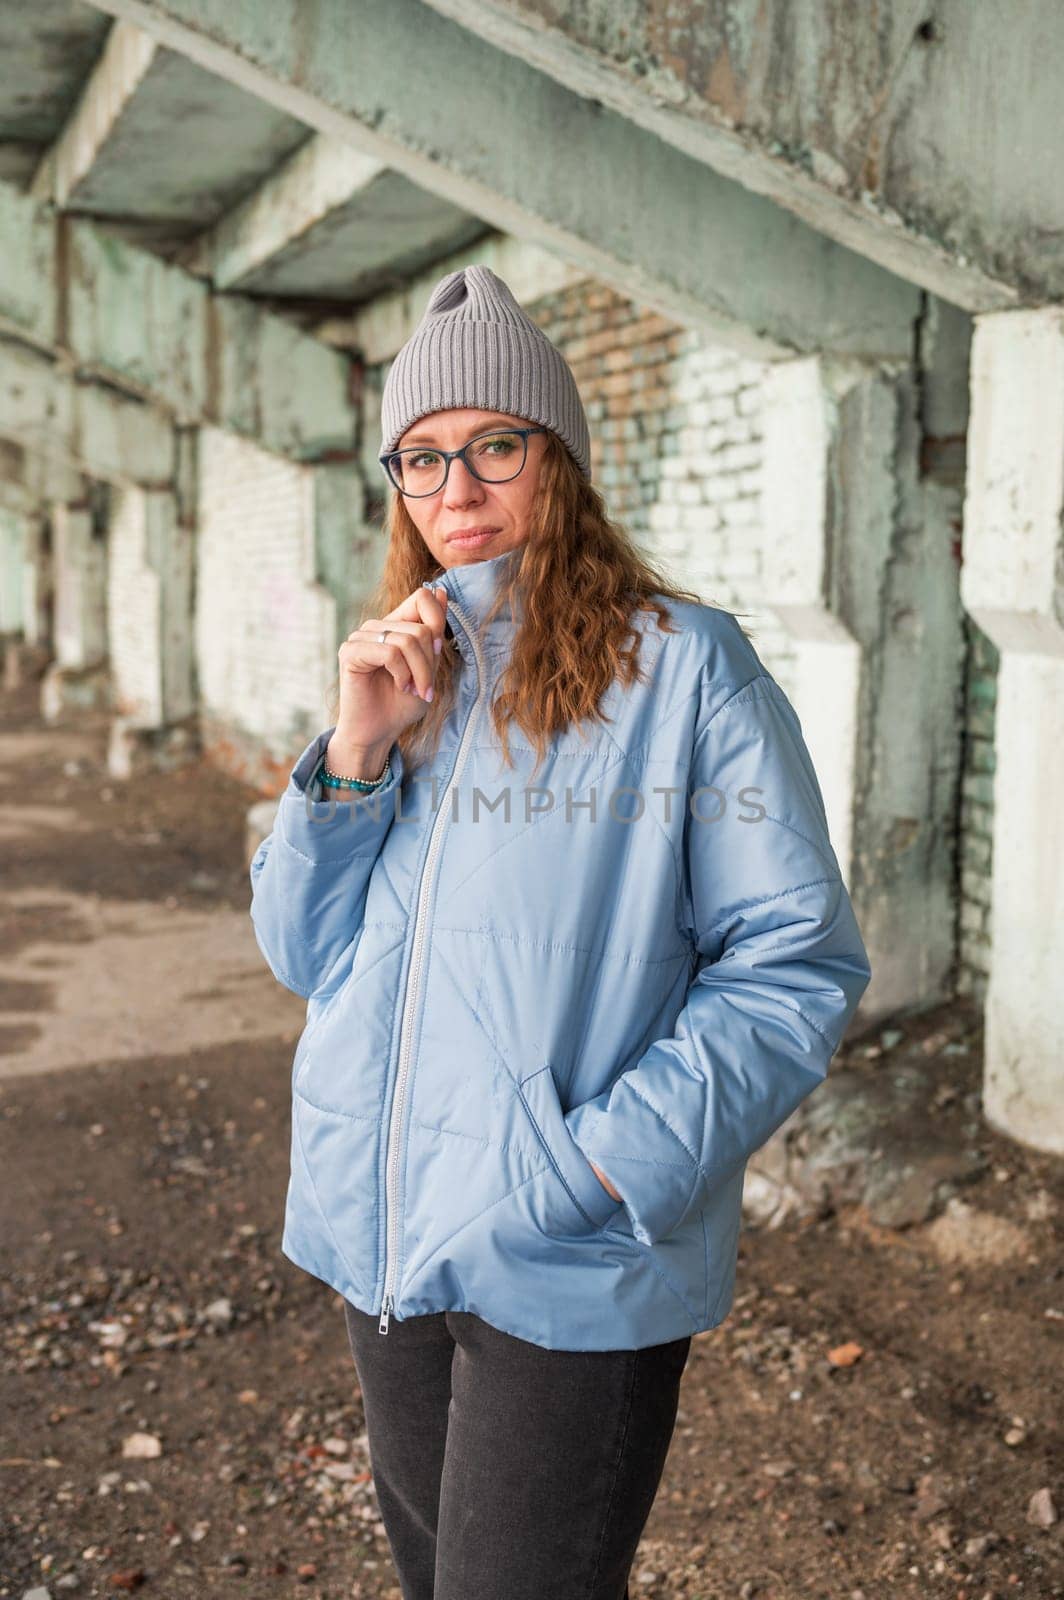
14, 530
78, 677
38, 581
1012, 583
858, 568
149, 605
798, 424
12, 561
80, 553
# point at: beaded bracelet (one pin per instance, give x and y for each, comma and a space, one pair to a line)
333, 780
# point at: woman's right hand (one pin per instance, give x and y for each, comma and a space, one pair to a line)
384, 687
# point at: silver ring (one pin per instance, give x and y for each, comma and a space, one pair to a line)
382, 636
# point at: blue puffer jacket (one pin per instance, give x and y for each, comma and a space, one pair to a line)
647, 959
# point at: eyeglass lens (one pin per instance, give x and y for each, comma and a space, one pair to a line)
494, 457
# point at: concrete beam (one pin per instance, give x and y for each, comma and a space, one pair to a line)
857, 119
115, 79
319, 179
330, 223
139, 324
645, 217
378, 330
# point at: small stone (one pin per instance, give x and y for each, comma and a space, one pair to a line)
1041, 1510
970, 1237
68, 1582
141, 1447
931, 1497
975, 1549
219, 1312
910, 1187
846, 1355
890, 1037
128, 1578
36, 1594
1015, 1436
1041, 1206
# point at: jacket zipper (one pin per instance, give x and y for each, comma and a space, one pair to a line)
391, 1176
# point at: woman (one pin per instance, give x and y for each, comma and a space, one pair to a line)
574, 944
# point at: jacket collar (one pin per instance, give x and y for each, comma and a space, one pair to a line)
473, 587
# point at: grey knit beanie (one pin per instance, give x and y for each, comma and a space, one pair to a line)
475, 346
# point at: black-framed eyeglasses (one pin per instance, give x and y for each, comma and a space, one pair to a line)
493, 457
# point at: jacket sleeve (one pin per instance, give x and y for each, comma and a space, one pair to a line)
309, 876
778, 969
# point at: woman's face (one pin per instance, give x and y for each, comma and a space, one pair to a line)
451, 521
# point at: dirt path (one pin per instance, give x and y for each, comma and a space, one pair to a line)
144, 1292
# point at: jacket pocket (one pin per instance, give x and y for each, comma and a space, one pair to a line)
579, 1202
319, 1004
318, 1009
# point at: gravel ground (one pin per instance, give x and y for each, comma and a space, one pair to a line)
880, 1414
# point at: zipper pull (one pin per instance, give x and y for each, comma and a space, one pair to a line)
386, 1309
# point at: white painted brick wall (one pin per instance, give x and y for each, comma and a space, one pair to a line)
264, 628
705, 521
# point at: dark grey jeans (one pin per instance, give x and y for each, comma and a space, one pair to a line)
505, 1471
